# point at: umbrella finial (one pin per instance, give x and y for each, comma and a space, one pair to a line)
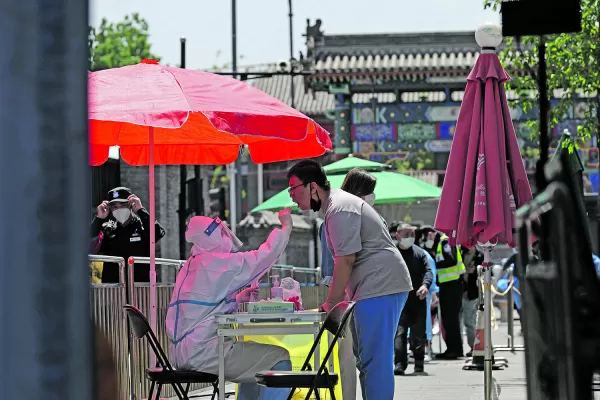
489, 36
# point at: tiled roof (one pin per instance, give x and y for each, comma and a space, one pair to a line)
305, 100
370, 60
317, 103
394, 56
336, 67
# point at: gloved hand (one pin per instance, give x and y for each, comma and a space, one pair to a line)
285, 217
244, 295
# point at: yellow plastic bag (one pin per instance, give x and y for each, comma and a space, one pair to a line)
299, 346
96, 271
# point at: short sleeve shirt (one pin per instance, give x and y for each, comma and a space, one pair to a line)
354, 227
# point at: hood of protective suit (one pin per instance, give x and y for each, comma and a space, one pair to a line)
216, 242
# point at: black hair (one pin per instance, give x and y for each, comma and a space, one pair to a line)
393, 227
359, 182
421, 235
309, 171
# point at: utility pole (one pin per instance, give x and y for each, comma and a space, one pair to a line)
183, 208
46, 341
234, 169
291, 17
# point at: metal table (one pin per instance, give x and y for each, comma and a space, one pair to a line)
244, 324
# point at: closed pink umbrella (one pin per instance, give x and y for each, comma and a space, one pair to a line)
485, 179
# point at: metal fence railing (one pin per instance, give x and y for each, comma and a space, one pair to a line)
107, 307
107, 301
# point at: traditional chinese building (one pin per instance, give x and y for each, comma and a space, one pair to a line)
395, 98
392, 98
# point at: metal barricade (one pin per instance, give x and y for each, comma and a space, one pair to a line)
107, 301
510, 346
143, 355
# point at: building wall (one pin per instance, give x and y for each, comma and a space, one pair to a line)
421, 133
422, 213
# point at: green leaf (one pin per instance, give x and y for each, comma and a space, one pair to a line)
113, 45
573, 62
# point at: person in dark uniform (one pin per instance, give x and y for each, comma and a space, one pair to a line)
414, 313
124, 225
450, 269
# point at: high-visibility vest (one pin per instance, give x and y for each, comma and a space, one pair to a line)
449, 273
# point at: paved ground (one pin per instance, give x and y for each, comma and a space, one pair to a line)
447, 380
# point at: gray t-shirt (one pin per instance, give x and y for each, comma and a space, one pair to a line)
354, 227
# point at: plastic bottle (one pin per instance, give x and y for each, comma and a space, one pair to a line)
276, 290
252, 298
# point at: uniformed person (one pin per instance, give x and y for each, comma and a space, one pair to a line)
450, 269
125, 227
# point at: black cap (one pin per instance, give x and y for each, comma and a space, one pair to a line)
119, 195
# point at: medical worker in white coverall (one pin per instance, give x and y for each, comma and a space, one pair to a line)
207, 285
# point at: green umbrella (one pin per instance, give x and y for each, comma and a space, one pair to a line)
346, 164
391, 188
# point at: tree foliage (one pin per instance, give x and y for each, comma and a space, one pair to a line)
416, 161
118, 44
572, 67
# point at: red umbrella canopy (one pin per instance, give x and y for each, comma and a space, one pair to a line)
197, 118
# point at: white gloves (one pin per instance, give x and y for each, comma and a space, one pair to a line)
285, 217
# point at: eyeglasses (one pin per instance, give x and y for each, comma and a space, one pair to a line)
292, 188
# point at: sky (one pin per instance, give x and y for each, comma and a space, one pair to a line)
263, 25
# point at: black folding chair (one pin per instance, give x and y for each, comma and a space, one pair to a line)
306, 378
164, 373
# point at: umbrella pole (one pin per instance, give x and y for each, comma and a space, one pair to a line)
487, 307
153, 324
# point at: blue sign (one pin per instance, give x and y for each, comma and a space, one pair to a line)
446, 130
374, 132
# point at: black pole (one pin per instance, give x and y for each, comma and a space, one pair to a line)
237, 164
182, 182
233, 37
597, 249
540, 179
291, 17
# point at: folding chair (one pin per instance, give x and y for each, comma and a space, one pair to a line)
164, 373
306, 378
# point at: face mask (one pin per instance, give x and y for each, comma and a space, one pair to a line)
122, 214
370, 199
406, 243
429, 243
315, 205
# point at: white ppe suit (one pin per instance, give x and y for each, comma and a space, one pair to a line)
206, 285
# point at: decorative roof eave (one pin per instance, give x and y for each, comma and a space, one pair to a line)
373, 76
